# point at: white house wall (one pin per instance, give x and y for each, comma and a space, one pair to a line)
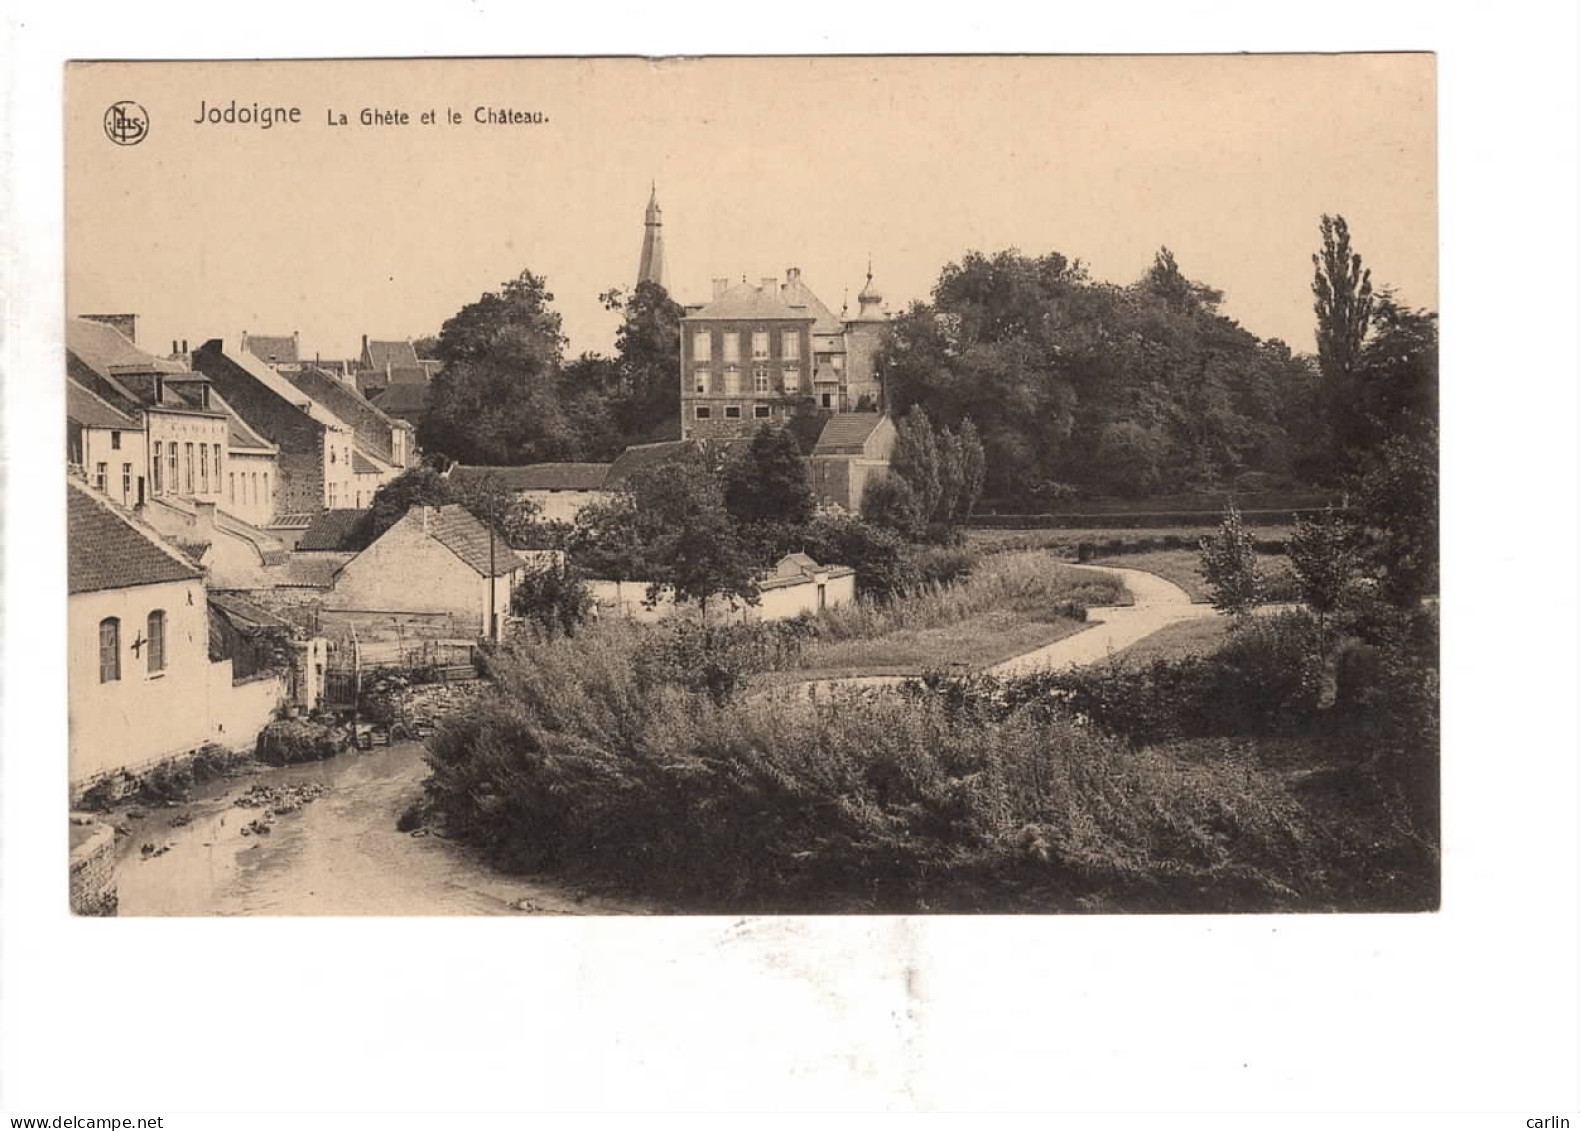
140, 717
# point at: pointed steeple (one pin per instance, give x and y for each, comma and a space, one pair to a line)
651, 269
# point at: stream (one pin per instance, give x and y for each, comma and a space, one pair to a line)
340, 854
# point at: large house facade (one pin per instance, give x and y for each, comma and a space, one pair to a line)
755, 351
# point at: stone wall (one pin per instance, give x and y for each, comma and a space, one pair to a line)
92, 867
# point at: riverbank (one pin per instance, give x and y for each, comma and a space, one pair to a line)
336, 853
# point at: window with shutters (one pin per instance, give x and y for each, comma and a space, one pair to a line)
702, 345
109, 649
156, 641
790, 345
101, 476
759, 344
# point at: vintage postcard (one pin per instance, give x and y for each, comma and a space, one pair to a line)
838, 485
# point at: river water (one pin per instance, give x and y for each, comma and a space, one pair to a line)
338, 855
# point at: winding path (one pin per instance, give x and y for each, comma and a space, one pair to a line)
1158, 604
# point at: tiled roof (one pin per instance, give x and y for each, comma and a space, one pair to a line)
537, 476
277, 349
245, 614
798, 294
93, 411
365, 418
384, 354
269, 403
107, 548
241, 434
402, 398
847, 430
455, 528
748, 301
409, 375
297, 520
311, 571
106, 350
639, 457
330, 530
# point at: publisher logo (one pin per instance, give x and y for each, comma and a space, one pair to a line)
126, 123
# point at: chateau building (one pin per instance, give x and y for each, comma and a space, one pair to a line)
756, 351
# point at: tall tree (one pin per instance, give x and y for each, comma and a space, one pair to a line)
647, 359
915, 459
768, 483
1342, 287
496, 400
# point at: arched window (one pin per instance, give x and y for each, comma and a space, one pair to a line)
156, 641
109, 649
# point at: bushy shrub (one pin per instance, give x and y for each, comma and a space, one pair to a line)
1264, 680
553, 599
876, 802
293, 740
938, 565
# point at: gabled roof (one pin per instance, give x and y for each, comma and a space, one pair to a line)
276, 349
381, 355
402, 398
455, 528
106, 548
537, 476
640, 457
747, 301
366, 419
846, 430
108, 351
331, 530
798, 294
93, 411
241, 434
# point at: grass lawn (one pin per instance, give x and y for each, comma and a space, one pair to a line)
1182, 568
977, 642
1187, 638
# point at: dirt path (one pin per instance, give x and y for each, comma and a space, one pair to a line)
338, 855
1158, 603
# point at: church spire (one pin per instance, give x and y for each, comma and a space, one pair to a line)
651, 269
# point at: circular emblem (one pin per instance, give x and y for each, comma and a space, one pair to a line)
126, 123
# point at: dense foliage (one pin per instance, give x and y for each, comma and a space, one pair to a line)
1077, 384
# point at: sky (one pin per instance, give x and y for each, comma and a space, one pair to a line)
207, 230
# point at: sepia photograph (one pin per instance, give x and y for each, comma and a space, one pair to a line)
705, 559
789, 486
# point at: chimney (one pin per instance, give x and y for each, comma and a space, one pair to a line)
720, 286
183, 347
175, 348
770, 283
296, 342
792, 274
364, 345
